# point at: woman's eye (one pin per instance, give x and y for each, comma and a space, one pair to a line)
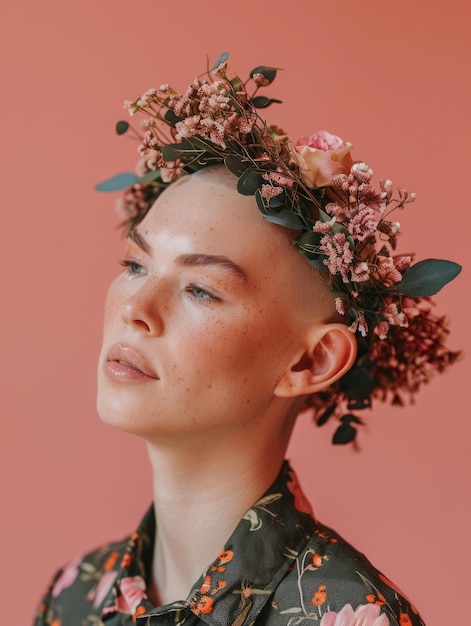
132, 267
201, 294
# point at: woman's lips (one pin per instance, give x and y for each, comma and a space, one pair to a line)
126, 364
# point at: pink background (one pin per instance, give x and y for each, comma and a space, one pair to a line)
392, 77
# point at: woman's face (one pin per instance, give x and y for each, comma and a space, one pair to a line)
206, 316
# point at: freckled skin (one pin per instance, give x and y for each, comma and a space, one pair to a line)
218, 361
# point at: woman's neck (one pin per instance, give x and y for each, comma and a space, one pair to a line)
200, 495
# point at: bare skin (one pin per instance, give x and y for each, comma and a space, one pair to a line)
209, 348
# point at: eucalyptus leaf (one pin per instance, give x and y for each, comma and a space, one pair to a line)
149, 177
325, 415
309, 240
122, 127
344, 434
171, 117
118, 182
318, 263
236, 164
249, 182
358, 383
278, 202
221, 58
324, 217
427, 277
262, 102
174, 151
284, 218
267, 72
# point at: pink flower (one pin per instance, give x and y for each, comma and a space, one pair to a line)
364, 615
322, 140
68, 575
170, 173
320, 157
301, 503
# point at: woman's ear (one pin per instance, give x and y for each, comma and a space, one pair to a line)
331, 353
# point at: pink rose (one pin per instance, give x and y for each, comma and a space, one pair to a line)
320, 156
322, 140
363, 615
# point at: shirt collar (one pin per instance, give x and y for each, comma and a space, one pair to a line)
239, 581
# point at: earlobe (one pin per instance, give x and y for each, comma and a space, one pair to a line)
331, 353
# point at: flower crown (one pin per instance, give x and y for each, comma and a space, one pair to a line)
315, 188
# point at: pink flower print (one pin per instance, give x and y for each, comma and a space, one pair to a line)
133, 590
103, 587
363, 615
68, 576
301, 503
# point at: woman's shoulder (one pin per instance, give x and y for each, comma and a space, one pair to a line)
333, 582
79, 587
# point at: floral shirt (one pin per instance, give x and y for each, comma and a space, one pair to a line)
280, 567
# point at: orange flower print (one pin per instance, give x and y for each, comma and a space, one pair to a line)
204, 605
320, 596
139, 611
110, 561
221, 584
317, 560
405, 620
205, 587
127, 560
225, 556
379, 599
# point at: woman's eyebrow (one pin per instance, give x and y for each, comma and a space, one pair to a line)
208, 260
135, 235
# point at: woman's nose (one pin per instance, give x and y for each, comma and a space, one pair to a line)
142, 309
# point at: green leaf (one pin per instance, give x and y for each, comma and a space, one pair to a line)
278, 202
344, 434
174, 151
118, 182
236, 164
325, 415
249, 182
267, 72
284, 218
221, 58
149, 177
261, 102
427, 277
324, 217
122, 127
317, 262
171, 117
358, 383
